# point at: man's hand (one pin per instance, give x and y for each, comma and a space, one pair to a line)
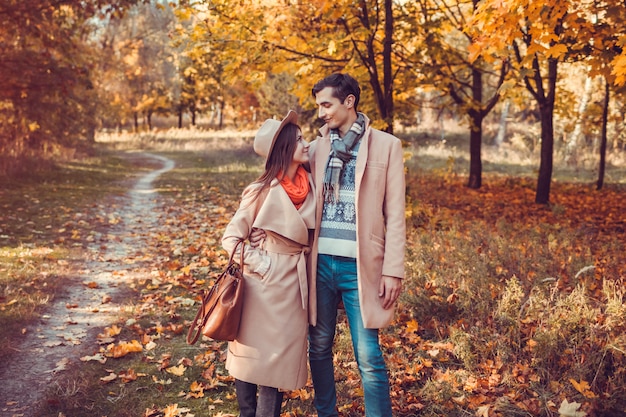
389, 291
256, 237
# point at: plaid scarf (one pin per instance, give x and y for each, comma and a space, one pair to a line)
339, 155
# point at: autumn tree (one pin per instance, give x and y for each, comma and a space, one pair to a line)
216, 64
48, 100
145, 76
310, 40
606, 57
441, 30
536, 35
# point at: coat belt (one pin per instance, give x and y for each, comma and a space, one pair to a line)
301, 252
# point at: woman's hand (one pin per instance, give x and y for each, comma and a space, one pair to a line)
256, 238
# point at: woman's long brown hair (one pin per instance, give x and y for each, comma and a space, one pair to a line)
281, 156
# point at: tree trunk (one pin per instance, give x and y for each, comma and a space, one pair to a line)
603, 139
476, 165
542, 195
220, 115
136, 119
546, 110
213, 114
387, 70
383, 94
180, 117
476, 132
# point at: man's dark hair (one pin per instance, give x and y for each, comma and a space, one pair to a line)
343, 85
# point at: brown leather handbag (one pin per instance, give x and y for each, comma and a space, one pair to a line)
220, 312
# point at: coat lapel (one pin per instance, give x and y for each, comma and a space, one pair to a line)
279, 215
361, 158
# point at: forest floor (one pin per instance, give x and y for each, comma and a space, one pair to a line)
110, 310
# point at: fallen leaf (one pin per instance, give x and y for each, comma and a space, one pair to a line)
412, 326
171, 410
105, 340
98, 357
128, 376
568, 409
61, 365
176, 370
111, 377
583, 387
196, 390
151, 412
111, 331
161, 381
483, 411
123, 349
433, 352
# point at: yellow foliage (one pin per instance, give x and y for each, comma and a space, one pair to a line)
123, 349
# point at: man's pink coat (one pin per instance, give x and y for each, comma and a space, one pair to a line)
380, 218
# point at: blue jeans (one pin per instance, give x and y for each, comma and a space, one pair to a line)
267, 404
337, 277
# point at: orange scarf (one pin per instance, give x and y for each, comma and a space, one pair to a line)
297, 190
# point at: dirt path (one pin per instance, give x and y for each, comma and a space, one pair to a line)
58, 340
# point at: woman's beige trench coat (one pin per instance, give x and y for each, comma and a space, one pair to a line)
271, 347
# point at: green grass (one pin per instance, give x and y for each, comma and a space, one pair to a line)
227, 171
46, 219
45, 206
28, 282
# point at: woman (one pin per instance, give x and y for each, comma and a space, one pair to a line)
270, 351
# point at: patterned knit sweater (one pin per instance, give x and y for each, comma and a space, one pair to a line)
338, 226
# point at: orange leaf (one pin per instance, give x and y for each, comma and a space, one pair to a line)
111, 331
123, 349
128, 376
171, 410
196, 390
412, 326
583, 387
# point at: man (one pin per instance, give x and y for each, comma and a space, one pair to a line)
357, 256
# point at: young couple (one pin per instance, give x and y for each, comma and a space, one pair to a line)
320, 236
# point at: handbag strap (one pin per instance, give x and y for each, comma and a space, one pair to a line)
195, 330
